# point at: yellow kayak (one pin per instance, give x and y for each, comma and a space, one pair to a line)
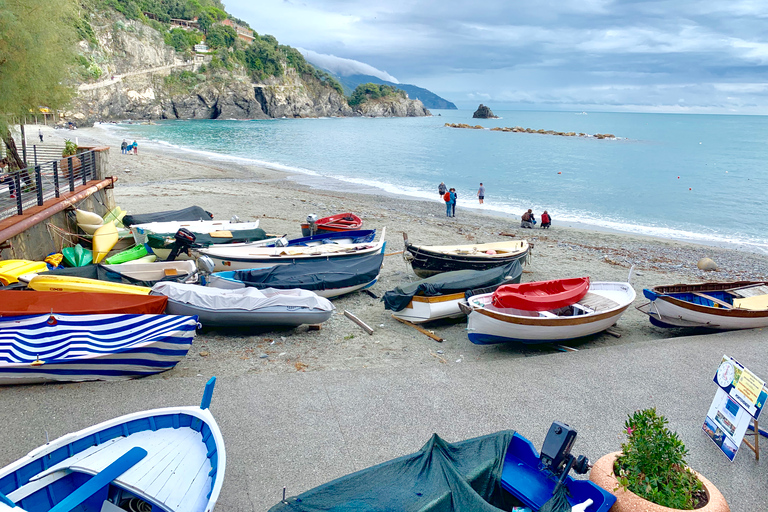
48, 283
104, 239
10, 270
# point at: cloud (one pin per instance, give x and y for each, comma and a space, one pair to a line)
345, 67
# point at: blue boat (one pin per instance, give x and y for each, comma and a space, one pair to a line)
164, 460
490, 473
361, 236
61, 347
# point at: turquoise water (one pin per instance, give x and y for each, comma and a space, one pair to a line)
690, 177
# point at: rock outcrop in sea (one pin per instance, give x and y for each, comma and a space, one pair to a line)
484, 112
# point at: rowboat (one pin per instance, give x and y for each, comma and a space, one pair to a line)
132, 273
185, 214
243, 257
58, 283
217, 307
494, 472
360, 236
541, 295
168, 460
599, 309
10, 270
198, 227
327, 278
60, 347
30, 302
333, 223
722, 306
438, 297
430, 260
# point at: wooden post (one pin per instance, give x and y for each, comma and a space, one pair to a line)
359, 322
420, 329
756, 447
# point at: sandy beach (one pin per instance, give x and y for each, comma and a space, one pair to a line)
160, 179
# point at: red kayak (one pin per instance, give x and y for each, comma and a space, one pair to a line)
23, 302
541, 295
334, 224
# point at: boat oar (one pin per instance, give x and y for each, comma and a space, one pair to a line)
559, 500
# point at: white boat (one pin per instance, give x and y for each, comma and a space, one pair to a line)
167, 460
596, 311
243, 257
721, 306
157, 270
217, 307
140, 231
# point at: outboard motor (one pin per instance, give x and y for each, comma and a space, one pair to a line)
556, 452
183, 239
312, 221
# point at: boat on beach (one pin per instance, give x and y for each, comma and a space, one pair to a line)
247, 256
192, 213
75, 348
63, 283
166, 460
10, 270
597, 310
134, 272
428, 260
30, 302
721, 306
438, 297
490, 473
327, 278
360, 236
202, 227
331, 224
246, 307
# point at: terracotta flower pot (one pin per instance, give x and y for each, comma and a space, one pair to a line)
627, 501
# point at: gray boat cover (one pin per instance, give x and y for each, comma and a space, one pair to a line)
458, 281
247, 299
191, 213
315, 275
102, 273
441, 477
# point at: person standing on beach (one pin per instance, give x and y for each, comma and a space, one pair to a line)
442, 189
447, 199
135, 148
40, 134
546, 220
481, 193
454, 198
124, 147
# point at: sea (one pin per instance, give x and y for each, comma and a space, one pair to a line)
690, 177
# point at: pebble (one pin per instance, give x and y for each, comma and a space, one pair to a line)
204, 353
440, 352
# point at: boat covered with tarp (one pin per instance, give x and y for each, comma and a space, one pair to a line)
191, 213
327, 278
31, 302
491, 473
439, 296
185, 270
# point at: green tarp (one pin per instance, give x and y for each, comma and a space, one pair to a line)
441, 477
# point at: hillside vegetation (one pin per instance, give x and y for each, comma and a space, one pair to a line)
371, 91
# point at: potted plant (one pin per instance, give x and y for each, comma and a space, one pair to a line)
69, 151
650, 472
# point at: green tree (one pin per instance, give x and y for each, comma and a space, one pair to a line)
371, 91
221, 36
37, 52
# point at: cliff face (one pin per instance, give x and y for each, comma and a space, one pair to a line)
392, 106
137, 82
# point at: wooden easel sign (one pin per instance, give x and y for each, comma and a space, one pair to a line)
738, 402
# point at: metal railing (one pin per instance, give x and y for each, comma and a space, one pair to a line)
36, 184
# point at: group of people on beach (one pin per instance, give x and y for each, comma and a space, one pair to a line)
528, 220
126, 148
450, 196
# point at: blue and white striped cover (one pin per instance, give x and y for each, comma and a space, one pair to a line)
91, 347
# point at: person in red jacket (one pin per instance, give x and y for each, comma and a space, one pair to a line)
546, 220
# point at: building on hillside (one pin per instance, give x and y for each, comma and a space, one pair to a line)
201, 48
243, 33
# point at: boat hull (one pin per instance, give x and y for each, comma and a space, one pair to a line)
428, 309
429, 262
329, 293
75, 348
488, 326
678, 313
267, 317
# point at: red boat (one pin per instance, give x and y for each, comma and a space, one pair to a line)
333, 224
23, 302
541, 295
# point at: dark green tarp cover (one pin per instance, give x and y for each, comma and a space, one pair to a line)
191, 213
441, 477
452, 282
165, 240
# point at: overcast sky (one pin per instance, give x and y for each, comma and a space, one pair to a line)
653, 56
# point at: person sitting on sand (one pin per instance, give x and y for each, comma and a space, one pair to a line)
546, 220
526, 220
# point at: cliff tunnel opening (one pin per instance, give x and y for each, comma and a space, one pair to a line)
258, 93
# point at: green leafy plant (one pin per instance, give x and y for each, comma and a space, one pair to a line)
652, 463
70, 148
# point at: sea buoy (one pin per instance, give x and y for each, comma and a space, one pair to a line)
690, 189
560, 172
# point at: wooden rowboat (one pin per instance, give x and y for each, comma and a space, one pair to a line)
332, 224
541, 295
168, 460
430, 260
596, 311
721, 306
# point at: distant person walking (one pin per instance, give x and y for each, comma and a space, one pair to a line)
481, 193
526, 220
454, 198
447, 199
442, 189
546, 220
124, 147
40, 134
135, 148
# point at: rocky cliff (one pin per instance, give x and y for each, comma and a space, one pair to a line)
392, 106
143, 78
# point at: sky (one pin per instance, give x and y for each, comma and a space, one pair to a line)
686, 56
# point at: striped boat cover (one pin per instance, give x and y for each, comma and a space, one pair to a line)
91, 347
